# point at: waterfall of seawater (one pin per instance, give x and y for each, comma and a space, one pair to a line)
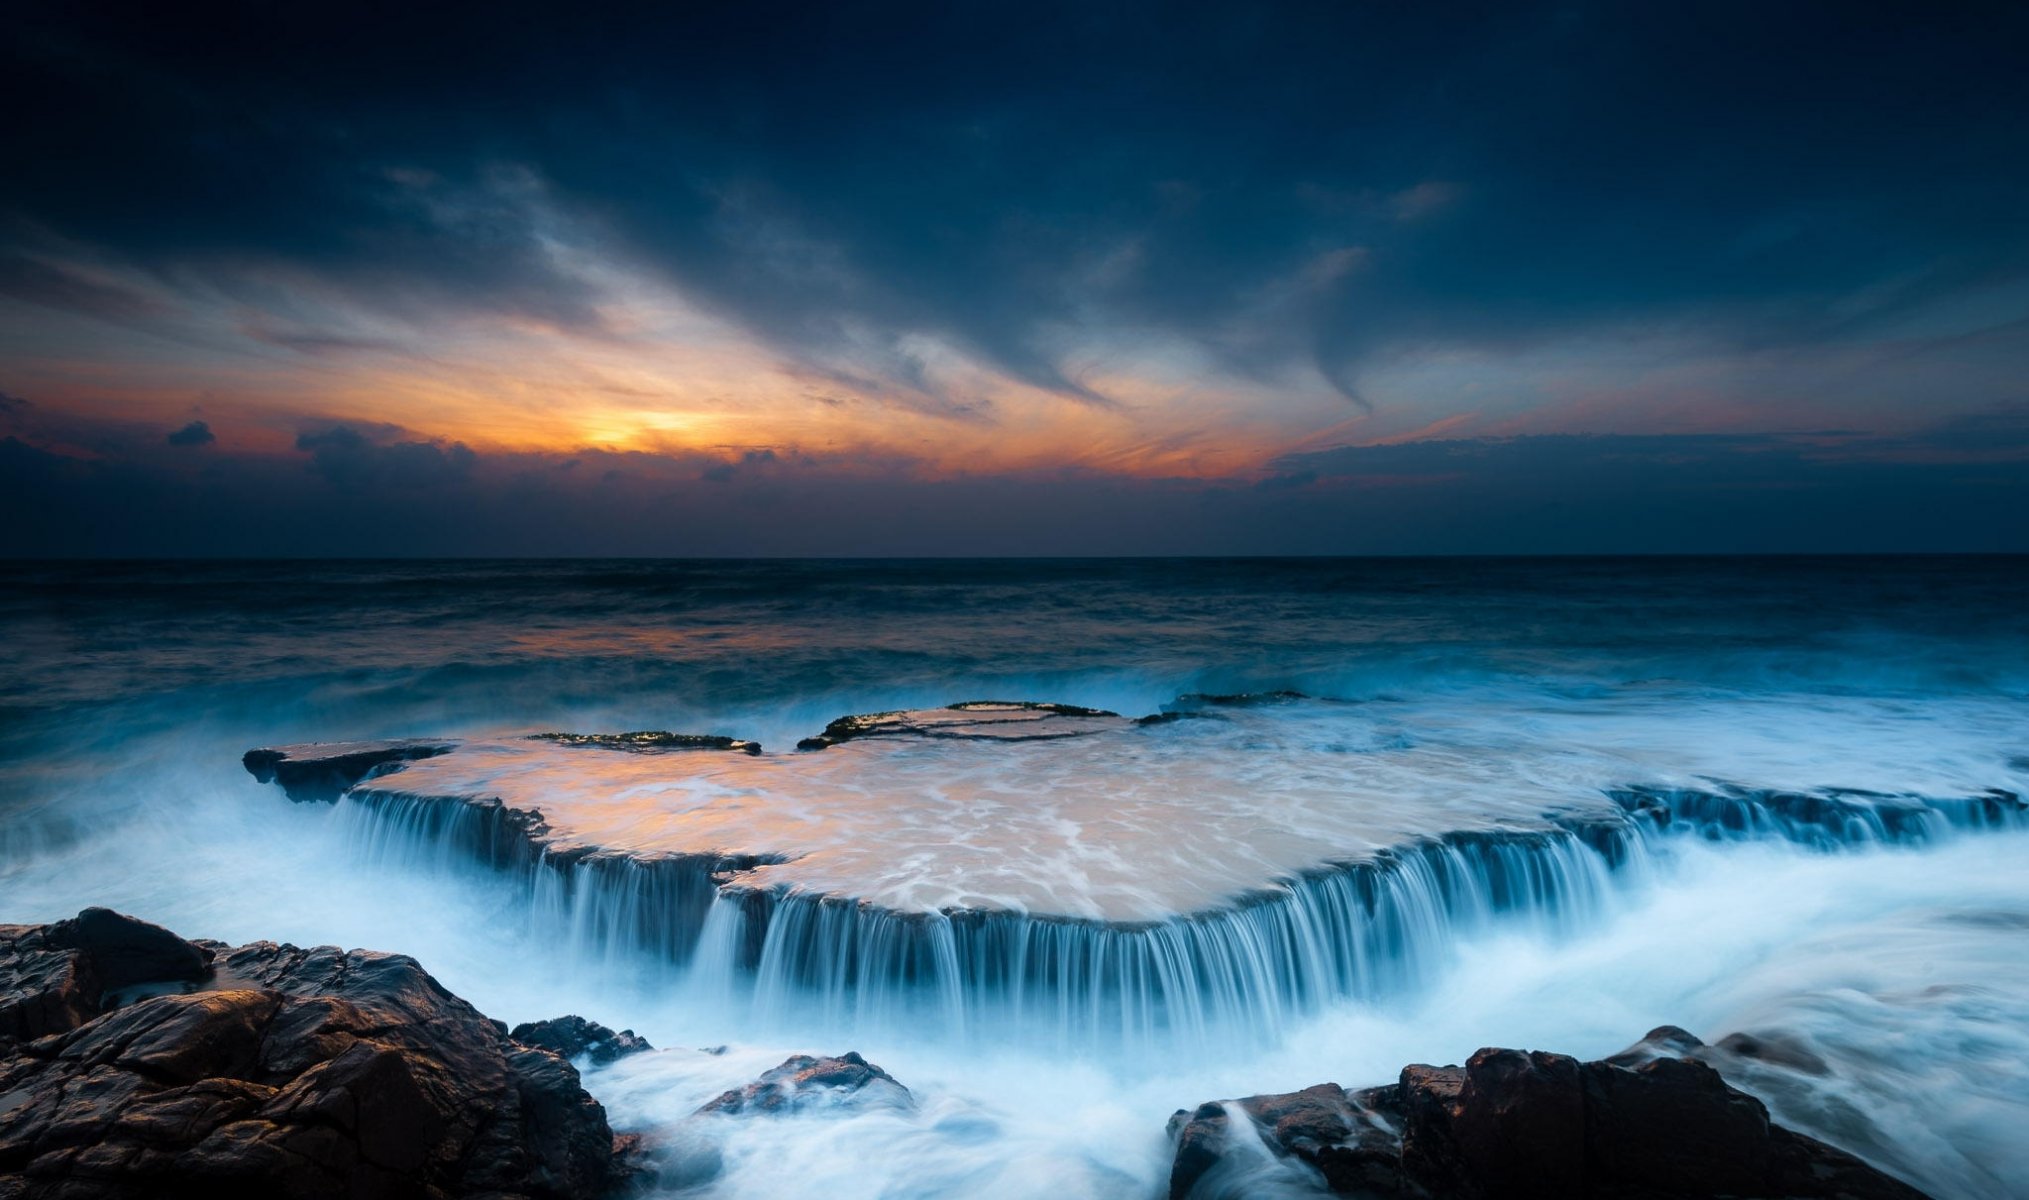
1379, 926
1882, 935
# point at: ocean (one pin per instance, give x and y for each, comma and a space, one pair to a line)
1290, 724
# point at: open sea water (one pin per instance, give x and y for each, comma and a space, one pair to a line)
128, 692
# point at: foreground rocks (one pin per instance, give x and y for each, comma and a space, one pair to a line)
575, 1037
136, 1064
805, 1081
1643, 1125
691, 1154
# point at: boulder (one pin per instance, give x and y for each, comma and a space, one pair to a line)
574, 1037
136, 1064
1347, 1138
56, 976
805, 1081
1646, 1124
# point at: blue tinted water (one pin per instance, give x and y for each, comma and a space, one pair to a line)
128, 691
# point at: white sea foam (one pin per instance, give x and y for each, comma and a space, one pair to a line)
1482, 696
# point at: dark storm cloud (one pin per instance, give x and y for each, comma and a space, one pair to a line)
748, 462
350, 459
1646, 466
197, 433
1283, 185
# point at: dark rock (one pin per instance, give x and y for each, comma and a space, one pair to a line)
575, 1037
650, 740
126, 951
1345, 1137
974, 720
1427, 1096
1645, 1124
1664, 1041
1672, 1126
1520, 1124
285, 1072
805, 1081
1779, 1049
59, 976
1190, 701
1827, 817
1199, 1140
324, 770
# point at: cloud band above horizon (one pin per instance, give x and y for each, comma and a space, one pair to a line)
1174, 249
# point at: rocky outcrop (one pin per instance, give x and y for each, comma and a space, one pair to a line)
574, 1037
650, 741
804, 1081
54, 978
1136, 908
995, 720
691, 1154
1646, 1124
136, 1064
1351, 1139
324, 770
1825, 819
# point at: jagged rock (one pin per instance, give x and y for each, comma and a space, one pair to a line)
1664, 1041
1823, 818
1191, 701
1347, 1138
975, 719
57, 975
324, 770
269, 1070
575, 1037
1646, 1124
806, 1081
649, 741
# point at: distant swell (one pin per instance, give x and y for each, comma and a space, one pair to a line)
1357, 929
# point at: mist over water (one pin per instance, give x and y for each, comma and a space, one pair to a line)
128, 693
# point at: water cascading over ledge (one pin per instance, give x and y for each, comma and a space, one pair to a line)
1360, 928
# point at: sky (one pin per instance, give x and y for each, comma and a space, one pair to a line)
962, 278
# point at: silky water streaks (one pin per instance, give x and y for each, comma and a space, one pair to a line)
1224, 866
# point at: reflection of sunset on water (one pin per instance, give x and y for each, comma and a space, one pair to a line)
1106, 818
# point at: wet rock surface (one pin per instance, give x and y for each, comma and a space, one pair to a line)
134, 1063
691, 1154
1642, 1125
806, 1081
575, 1037
1825, 818
650, 741
1048, 811
991, 720
1348, 1138
322, 771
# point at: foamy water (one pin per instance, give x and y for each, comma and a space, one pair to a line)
1126, 822
1450, 695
